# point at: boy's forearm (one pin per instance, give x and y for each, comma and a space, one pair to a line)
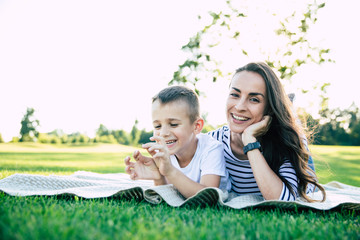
161, 181
183, 184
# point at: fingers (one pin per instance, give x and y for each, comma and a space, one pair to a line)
127, 161
154, 148
262, 127
129, 169
159, 155
147, 146
155, 140
137, 155
267, 119
266, 122
159, 140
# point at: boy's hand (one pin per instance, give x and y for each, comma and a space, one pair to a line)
160, 153
256, 130
143, 168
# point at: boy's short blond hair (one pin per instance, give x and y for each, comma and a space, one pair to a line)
180, 93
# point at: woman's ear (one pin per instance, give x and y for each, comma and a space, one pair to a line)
199, 124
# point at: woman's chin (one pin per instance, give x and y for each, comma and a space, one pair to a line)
235, 128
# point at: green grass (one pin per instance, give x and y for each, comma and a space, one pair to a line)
337, 163
76, 218
48, 159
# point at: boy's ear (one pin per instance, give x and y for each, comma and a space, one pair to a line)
199, 124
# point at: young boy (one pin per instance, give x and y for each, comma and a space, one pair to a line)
181, 155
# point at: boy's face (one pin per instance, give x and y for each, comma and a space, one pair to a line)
171, 121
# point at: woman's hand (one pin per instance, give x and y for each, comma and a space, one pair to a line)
256, 130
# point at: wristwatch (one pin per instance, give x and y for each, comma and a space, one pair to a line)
251, 146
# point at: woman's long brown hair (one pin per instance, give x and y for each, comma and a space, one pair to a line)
285, 138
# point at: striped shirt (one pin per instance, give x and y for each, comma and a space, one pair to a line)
241, 175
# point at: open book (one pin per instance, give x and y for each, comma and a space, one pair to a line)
94, 185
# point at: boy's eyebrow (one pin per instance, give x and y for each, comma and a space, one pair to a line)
174, 119
251, 94
169, 119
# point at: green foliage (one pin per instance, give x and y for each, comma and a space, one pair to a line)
134, 138
135, 134
28, 130
1, 139
207, 126
15, 140
102, 131
121, 137
64, 139
334, 127
226, 26
107, 139
297, 42
145, 136
43, 138
83, 138
339, 127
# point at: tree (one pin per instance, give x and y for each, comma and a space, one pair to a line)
1, 139
338, 127
28, 130
227, 33
135, 133
145, 136
121, 136
102, 131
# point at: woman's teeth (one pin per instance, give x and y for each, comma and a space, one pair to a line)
240, 118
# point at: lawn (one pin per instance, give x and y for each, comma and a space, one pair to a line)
74, 218
337, 163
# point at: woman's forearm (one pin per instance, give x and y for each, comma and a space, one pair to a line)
269, 183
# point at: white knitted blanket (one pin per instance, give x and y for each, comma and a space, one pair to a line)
95, 185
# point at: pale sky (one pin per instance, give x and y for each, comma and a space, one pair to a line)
83, 63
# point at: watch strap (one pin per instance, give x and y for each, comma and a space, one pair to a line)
251, 146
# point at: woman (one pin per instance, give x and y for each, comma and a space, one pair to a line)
264, 147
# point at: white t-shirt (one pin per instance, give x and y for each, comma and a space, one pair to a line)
208, 159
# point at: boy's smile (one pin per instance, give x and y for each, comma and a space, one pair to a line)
171, 121
170, 143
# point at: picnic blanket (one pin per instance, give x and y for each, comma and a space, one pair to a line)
118, 185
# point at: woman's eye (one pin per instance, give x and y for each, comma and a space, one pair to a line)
157, 127
234, 94
255, 100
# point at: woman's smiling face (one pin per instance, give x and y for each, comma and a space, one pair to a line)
246, 102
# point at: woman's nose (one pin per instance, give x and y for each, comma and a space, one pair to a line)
240, 105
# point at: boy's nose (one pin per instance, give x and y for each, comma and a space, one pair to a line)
164, 132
